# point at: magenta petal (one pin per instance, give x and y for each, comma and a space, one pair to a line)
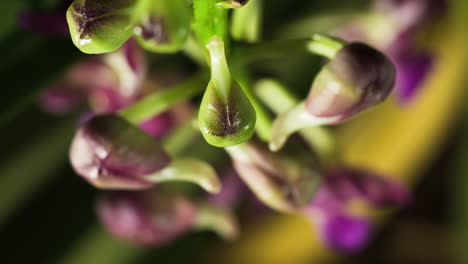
347, 234
232, 191
412, 70
158, 126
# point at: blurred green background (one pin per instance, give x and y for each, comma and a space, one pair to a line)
47, 212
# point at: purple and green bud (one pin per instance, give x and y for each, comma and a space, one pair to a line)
355, 79
146, 218
341, 208
155, 218
100, 26
106, 82
281, 182
111, 153
162, 25
226, 116
75, 88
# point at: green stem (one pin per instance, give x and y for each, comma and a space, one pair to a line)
246, 22
318, 44
161, 101
280, 100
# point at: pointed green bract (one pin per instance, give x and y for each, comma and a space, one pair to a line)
162, 25
226, 116
100, 26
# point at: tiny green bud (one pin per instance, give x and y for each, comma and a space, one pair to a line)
100, 26
226, 116
162, 25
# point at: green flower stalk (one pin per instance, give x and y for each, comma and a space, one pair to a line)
162, 25
210, 19
226, 116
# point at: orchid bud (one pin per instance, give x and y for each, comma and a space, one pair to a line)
356, 78
128, 65
146, 218
342, 204
112, 153
162, 25
100, 26
74, 89
226, 116
283, 183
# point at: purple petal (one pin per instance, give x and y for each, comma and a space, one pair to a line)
159, 125
49, 24
232, 191
347, 234
342, 186
412, 70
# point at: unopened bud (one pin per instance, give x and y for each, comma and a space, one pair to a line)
110, 152
147, 218
99, 26
341, 208
356, 78
282, 183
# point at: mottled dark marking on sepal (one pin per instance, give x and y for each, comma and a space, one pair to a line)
153, 29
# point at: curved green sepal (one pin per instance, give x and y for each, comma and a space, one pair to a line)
189, 170
292, 121
162, 26
226, 116
100, 26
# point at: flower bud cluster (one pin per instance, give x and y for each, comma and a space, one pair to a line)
122, 146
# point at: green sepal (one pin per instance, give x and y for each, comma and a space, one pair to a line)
100, 26
229, 122
226, 116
